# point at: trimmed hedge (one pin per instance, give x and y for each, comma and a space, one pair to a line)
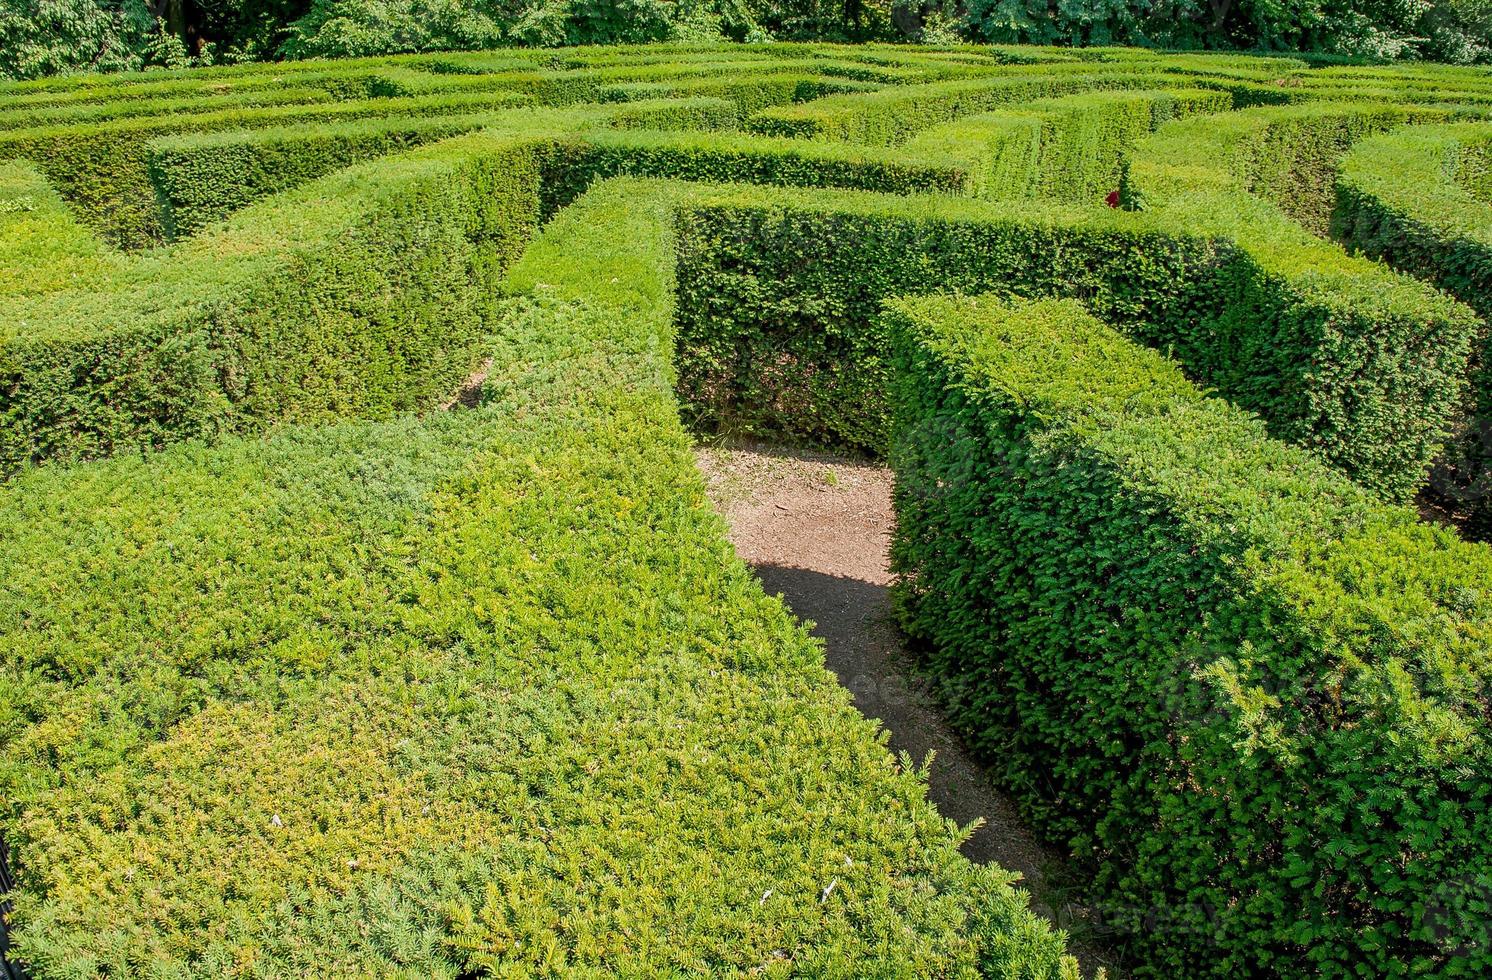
1363, 365
1071, 148
203, 177
894, 115
401, 714
360, 294
1253, 698
739, 157
1360, 365
1399, 200
102, 169
779, 293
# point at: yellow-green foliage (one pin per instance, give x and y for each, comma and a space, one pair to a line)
301, 676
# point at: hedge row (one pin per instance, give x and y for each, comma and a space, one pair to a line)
783, 291
401, 715
83, 383
96, 112
779, 293
893, 115
1252, 697
202, 177
360, 294
1069, 148
102, 169
1399, 200
1364, 365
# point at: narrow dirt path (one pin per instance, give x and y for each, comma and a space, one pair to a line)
816, 528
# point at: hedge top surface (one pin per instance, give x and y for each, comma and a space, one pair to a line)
1423, 173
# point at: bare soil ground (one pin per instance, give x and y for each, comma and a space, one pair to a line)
816, 528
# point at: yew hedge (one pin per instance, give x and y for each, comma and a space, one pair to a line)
299, 674
1254, 698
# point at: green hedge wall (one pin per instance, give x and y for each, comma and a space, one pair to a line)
400, 714
1069, 149
360, 294
1255, 700
1364, 365
1399, 201
893, 115
779, 296
102, 169
1287, 155
781, 300
203, 177
738, 157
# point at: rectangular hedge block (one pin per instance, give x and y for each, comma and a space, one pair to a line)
1252, 697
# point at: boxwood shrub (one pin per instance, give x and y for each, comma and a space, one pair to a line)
1253, 699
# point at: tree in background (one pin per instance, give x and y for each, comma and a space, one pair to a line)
52, 37
1445, 30
48, 37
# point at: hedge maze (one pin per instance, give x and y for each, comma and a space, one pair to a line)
302, 674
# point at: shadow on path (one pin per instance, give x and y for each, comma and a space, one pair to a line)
816, 530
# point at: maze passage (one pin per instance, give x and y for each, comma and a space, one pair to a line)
302, 674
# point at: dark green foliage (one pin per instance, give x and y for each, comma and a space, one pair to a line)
352, 296
1255, 700
1446, 30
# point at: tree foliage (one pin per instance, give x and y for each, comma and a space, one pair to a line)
48, 37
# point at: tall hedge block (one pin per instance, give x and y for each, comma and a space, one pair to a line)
1252, 697
1365, 365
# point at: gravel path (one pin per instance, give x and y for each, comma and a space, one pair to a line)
816, 528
